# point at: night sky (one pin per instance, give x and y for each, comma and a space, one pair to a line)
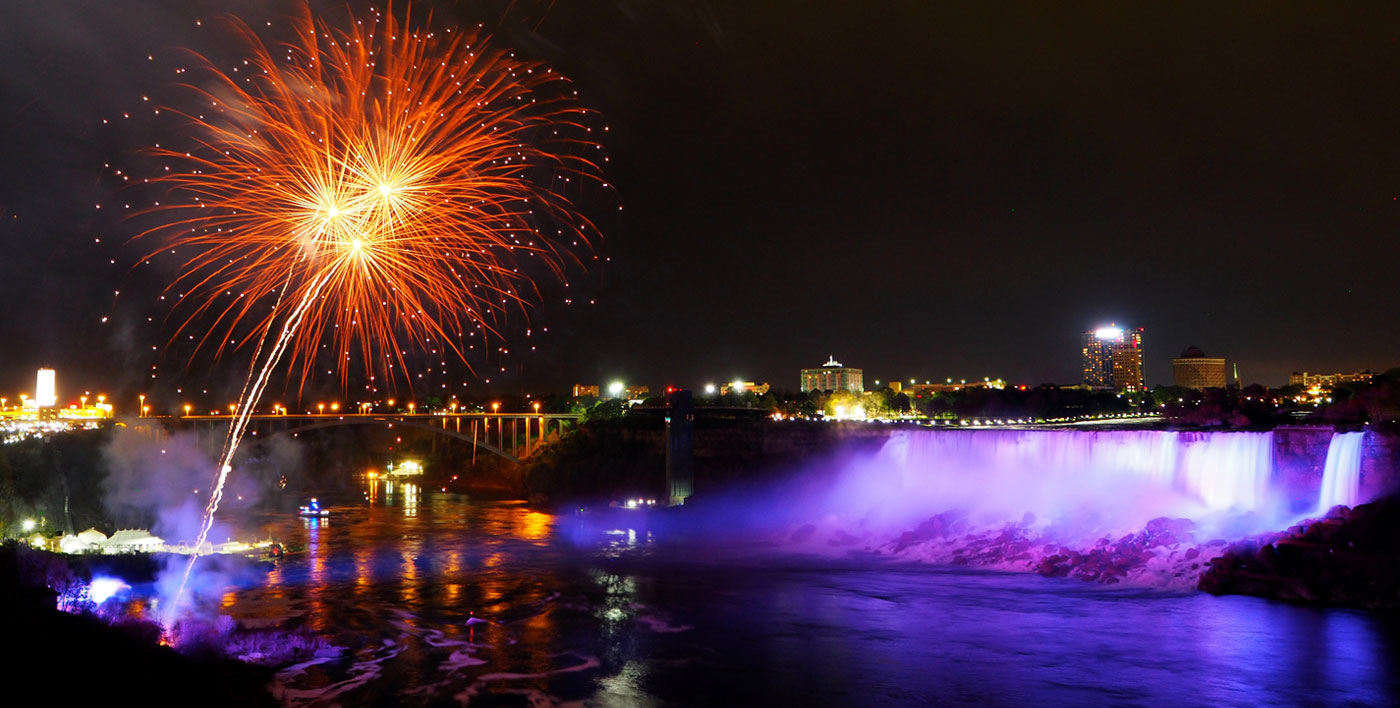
921, 189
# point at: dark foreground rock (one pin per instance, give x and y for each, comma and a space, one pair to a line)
58, 658
1348, 558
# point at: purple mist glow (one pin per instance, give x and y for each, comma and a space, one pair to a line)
167, 482
1145, 507
1072, 487
1104, 481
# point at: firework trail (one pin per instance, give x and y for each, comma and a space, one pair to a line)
364, 187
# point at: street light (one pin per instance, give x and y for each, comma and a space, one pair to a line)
410, 407
143, 404
321, 407
495, 407
188, 407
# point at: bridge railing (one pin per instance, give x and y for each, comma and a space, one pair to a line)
513, 436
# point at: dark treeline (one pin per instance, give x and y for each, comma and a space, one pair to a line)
56, 481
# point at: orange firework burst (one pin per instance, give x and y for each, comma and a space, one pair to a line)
370, 187
365, 185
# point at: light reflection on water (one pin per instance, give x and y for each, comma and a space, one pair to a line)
459, 600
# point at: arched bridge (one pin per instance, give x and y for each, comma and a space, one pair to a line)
513, 436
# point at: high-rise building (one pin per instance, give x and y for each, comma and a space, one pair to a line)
1193, 369
1112, 358
832, 376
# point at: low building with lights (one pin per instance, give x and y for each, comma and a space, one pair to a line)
951, 386
405, 469
43, 406
617, 389
757, 389
1308, 380
833, 376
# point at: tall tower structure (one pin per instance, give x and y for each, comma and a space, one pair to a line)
46, 389
1112, 358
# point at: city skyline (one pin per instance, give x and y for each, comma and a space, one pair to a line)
799, 178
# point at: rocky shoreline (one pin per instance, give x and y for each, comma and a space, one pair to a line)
1348, 558
1164, 554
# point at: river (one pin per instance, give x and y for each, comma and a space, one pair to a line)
440, 600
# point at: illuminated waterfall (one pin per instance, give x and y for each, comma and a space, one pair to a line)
1341, 477
1118, 479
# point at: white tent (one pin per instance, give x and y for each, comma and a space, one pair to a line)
90, 540
132, 541
71, 544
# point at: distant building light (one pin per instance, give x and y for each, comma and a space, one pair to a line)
45, 389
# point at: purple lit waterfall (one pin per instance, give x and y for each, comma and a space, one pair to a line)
1102, 481
1341, 476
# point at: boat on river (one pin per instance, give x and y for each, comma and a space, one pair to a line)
312, 508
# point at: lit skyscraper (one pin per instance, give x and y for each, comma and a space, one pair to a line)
1112, 358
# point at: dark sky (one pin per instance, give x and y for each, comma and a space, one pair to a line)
921, 189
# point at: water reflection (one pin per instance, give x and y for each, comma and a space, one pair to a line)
460, 600
317, 614
410, 499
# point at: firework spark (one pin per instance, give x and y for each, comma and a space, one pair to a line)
417, 177
364, 188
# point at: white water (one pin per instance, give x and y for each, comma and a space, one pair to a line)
1341, 477
1108, 480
